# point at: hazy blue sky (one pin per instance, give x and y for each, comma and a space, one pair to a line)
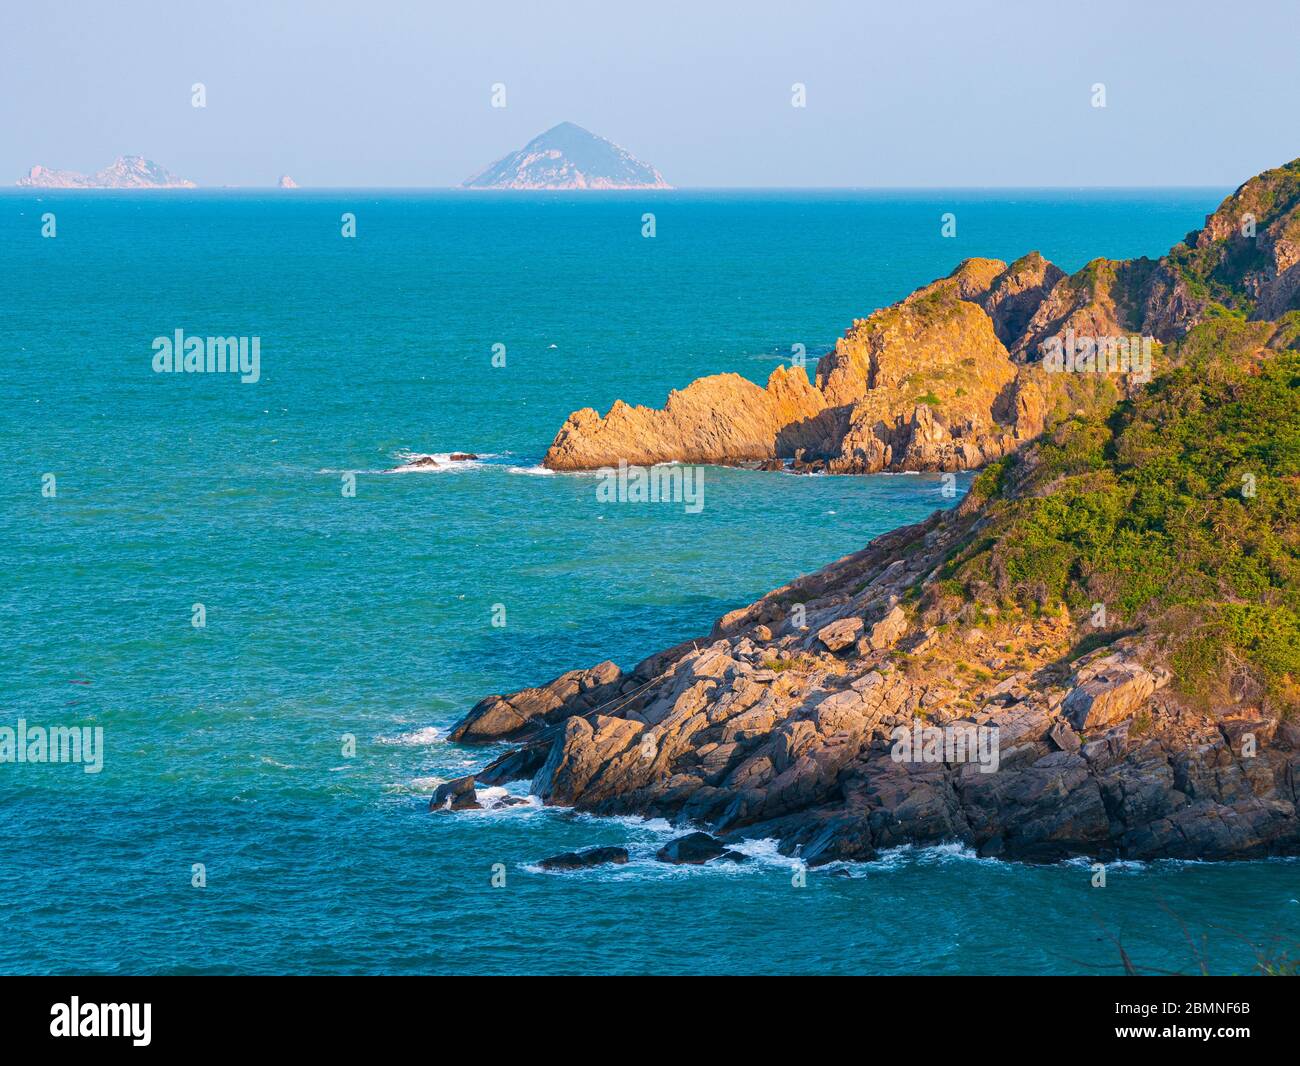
903, 93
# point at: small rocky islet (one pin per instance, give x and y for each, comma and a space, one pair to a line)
1118, 595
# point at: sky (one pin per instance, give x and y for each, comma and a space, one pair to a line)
957, 93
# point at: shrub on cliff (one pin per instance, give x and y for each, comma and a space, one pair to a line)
1180, 513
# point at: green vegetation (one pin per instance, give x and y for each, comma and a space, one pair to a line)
1217, 271
1180, 511
800, 663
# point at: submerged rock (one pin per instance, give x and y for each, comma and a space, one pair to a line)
581, 860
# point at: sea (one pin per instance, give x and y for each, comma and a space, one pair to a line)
275, 631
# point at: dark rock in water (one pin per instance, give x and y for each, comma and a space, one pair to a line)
458, 795
461, 457
423, 462
581, 860
518, 765
696, 848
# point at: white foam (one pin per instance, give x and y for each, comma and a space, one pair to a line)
443, 461
430, 734
419, 785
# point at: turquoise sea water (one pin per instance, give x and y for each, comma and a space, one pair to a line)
370, 616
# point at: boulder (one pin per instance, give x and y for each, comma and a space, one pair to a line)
1065, 738
1107, 691
458, 795
696, 848
840, 633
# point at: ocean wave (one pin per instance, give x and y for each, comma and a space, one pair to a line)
762, 855
417, 786
430, 734
439, 462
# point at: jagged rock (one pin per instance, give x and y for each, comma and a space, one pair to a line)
887, 632
1065, 738
912, 387
581, 753
508, 718
582, 860
1016, 294
720, 419
695, 849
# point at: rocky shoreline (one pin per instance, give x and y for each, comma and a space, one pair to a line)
961, 679
770, 728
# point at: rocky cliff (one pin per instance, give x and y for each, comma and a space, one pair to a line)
950, 377
1097, 653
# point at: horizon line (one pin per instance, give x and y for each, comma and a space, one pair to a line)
597, 192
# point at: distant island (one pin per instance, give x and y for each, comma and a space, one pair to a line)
568, 157
125, 172
287, 182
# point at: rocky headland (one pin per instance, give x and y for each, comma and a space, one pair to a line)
1113, 610
953, 376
